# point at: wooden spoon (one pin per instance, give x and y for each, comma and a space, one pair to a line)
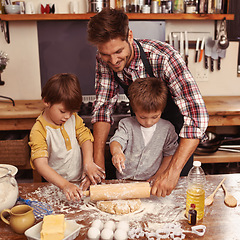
229, 200
209, 200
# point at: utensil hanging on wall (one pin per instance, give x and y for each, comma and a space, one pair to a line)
214, 54
222, 35
208, 50
175, 42
186, 47
201, 49
181, 45
197, 49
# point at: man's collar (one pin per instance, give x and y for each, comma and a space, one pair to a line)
136, 57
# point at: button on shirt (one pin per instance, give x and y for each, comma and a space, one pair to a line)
168, 65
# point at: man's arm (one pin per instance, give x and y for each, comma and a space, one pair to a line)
100, 134
167, 181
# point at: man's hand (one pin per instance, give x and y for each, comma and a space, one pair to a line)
164, 184
167, 181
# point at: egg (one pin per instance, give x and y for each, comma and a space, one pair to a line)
97, 224
93, 233
107, 234
120, 234
110, 225
123, 225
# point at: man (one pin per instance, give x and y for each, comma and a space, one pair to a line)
122, 59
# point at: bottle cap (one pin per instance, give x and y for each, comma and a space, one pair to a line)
193, 205
196, 163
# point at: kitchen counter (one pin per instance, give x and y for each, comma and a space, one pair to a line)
223, 111
221, 222
22, 116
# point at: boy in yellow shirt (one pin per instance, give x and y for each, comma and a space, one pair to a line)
61, 145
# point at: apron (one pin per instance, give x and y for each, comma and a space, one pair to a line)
171, 111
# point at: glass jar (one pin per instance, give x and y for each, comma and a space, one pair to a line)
191, 6
178, 6
8, 188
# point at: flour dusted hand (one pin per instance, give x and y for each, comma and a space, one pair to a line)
94, 172
118, 157
72, 192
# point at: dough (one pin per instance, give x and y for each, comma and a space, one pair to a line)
119, 207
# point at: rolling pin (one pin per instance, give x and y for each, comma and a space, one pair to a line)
118, 191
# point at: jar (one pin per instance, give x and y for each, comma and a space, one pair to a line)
8, 188
191, 6
178, 6
97, 5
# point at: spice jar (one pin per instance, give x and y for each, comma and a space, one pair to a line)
8, 188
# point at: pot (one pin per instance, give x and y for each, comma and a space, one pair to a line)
213, 143
97, 5
8, 188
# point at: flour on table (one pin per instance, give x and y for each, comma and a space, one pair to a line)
153, 213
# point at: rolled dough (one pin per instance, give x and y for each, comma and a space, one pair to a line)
119, 207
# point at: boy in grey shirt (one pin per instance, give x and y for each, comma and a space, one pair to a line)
143, 145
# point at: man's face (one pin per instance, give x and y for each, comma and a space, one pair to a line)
117, 53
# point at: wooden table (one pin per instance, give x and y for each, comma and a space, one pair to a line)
221, 222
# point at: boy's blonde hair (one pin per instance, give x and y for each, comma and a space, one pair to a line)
63, 88
148, 94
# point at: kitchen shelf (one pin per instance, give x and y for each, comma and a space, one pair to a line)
133, 16
6, 18
218, 157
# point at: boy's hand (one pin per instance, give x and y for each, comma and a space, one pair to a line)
72, 192
84, 182
94, 172
118, 160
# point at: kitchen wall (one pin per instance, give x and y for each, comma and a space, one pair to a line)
22, 74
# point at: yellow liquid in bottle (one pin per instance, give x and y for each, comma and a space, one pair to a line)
196, 195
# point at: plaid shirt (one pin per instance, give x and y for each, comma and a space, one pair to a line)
168, 65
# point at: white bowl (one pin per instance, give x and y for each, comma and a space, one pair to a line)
12, 9
13, 169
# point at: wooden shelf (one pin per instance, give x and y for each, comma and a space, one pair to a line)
133, 16
218, 157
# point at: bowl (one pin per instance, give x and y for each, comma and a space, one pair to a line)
12, 168
12, 9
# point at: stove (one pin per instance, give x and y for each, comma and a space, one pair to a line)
122, 110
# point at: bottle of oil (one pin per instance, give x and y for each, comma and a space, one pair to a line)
195, 191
